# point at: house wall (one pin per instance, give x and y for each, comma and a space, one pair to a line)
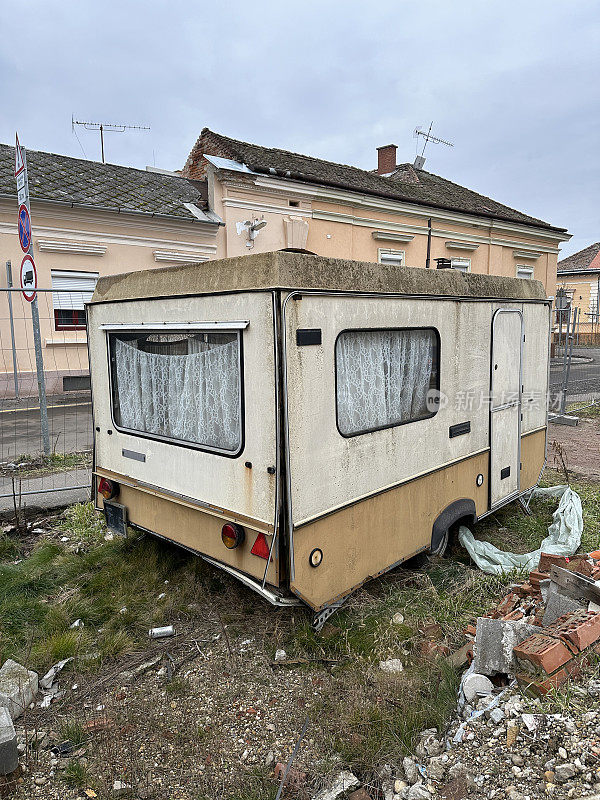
584, 290
131, 242
337, 224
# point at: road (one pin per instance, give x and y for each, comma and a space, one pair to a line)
584, 377
70, 426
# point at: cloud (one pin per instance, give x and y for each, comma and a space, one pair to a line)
512, 84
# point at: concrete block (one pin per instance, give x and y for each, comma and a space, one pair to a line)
9, 756
494, 643
557, 605
563, 419
18, 687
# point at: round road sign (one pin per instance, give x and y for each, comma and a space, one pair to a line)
24, 228
28, 278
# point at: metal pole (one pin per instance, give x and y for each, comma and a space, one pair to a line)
102, 142
12, 329
563, 399
39, 364
569, 346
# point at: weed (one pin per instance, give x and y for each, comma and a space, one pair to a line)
9, 549
73, 732
76, 775
177, 687
111, 586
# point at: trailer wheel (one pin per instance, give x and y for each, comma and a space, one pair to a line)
457, 512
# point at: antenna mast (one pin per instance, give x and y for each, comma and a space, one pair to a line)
427, 136
105, 126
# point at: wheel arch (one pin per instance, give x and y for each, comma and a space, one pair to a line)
457, 510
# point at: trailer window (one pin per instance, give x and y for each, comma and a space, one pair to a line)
184, 387
385, 378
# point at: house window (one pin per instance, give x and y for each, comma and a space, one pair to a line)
524, 271
461, 264
395, 257
182, 387
72, 290
385, 378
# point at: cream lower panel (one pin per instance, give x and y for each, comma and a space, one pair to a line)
363, 540
505, 453
195, 529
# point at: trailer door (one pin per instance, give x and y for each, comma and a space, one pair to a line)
505, 405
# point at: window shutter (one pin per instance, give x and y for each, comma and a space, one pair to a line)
78, 288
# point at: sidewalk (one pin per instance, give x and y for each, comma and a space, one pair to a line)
43, 498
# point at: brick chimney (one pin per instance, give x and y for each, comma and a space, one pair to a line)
386, 159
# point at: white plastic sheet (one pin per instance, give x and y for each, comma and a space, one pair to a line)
564, 536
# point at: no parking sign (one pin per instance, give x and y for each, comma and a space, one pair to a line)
28, 274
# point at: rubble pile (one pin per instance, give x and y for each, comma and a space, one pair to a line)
500, 745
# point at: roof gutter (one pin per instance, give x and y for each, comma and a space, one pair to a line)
91, 207
299, 176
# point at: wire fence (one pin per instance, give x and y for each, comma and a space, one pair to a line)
575, 361
36, 459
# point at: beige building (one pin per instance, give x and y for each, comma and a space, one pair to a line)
231, 198
579, 277
88, 219
396, 214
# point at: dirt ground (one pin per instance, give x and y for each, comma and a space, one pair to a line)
580, 445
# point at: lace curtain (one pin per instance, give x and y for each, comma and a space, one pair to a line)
383, 377
193, 398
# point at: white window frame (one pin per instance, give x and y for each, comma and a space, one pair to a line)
76, 287
525, 268
394, 257
458, 262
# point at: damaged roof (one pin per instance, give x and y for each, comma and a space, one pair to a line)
585, 260
110, 187
405, 184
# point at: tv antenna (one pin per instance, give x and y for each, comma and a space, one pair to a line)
428, 137
105, 126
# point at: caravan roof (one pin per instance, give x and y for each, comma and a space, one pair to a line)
291, 270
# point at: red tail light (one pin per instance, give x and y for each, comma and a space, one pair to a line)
232, 535
108, 489
260, 547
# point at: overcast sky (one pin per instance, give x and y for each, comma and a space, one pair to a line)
515, 86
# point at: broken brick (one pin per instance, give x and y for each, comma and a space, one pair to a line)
359, 794
541, 687
507, 604
580, 629
295, 778
514, 615
544, 652
548, 560
460, 658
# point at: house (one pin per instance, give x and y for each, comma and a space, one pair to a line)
271, 199
232, 198
88, 219
579, 277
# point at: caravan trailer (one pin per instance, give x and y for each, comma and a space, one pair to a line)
307, 423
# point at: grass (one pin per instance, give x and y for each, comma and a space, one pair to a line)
32, 466
586, 411
111, 586
73, 732
371, 716
76, 775
511, 529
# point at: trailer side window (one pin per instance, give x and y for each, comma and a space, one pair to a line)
385, 378
183, 387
